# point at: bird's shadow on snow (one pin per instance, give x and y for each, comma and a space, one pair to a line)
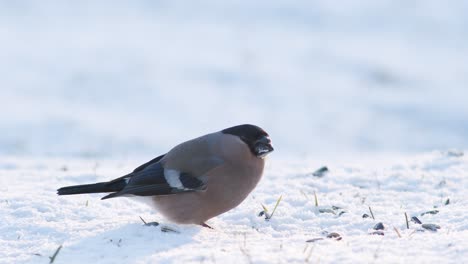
127, 244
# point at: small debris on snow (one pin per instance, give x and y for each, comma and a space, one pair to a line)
379, 226
152, 224
433, 212
447, 202
334, 235
320, 172
314, 239
406, 220
416, 220
365, 216
432, 227
377, 232
326, 210
396, 231
331, 210
371, 213
52, 258
167, 229
442, 183
116, 243
455, 153
265, 213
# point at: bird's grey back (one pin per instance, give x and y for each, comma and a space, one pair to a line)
196, 156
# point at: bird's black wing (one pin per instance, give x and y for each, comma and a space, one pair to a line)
153, 179
143, 166
126, 177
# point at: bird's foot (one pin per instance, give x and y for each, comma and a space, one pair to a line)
207, 226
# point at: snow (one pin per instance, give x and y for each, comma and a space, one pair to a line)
132, 78
34, 221
375, 91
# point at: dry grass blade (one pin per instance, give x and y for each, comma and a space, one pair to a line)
276, 205
398, 233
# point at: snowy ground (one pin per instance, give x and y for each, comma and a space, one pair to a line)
34, 222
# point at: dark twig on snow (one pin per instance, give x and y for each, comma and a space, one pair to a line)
372, 214
52, 259
407, 223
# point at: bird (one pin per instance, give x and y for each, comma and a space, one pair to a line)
196, 180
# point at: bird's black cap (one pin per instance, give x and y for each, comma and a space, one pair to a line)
255, 137
246, 131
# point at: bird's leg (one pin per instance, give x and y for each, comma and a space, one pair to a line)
207, 226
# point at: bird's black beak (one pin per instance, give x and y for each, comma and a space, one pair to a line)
263, 146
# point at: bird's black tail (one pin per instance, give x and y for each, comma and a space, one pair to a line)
100, 187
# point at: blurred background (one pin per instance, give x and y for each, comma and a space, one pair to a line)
126, 78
